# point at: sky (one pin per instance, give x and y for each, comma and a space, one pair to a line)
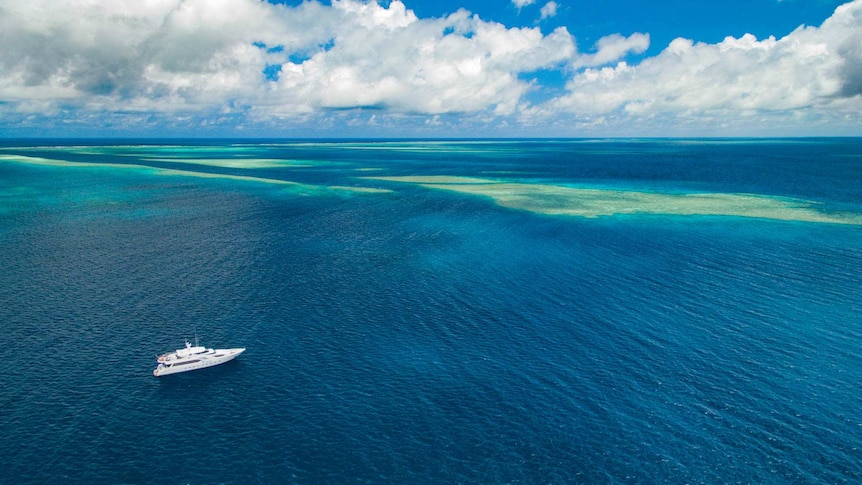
429, 68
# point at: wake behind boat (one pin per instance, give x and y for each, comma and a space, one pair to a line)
193, 358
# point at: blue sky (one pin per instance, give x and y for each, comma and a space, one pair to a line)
446, 68
663, 20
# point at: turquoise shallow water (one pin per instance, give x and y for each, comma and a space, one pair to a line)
417, 334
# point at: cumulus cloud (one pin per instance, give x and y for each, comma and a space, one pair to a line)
172, 55
612, 48
455, 64
549, 10
812, 68
247, 61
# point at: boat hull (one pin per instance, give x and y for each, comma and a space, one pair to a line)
220, 356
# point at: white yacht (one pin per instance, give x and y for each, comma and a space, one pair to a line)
193, 358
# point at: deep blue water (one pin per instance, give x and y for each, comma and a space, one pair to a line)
426, 336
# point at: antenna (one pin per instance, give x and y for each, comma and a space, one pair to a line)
196, 336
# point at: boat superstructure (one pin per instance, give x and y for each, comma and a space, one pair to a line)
193, 358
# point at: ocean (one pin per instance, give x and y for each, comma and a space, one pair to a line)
519, 311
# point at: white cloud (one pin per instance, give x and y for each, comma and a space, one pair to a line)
813, 71
522, 3
611, 48
139, 60
549, 10
171, 55
456, 64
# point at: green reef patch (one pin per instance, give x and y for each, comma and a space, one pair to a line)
222, 156
592, 203
363, 190
244, 163
305, 188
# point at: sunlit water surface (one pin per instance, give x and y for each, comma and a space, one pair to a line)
588, 311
